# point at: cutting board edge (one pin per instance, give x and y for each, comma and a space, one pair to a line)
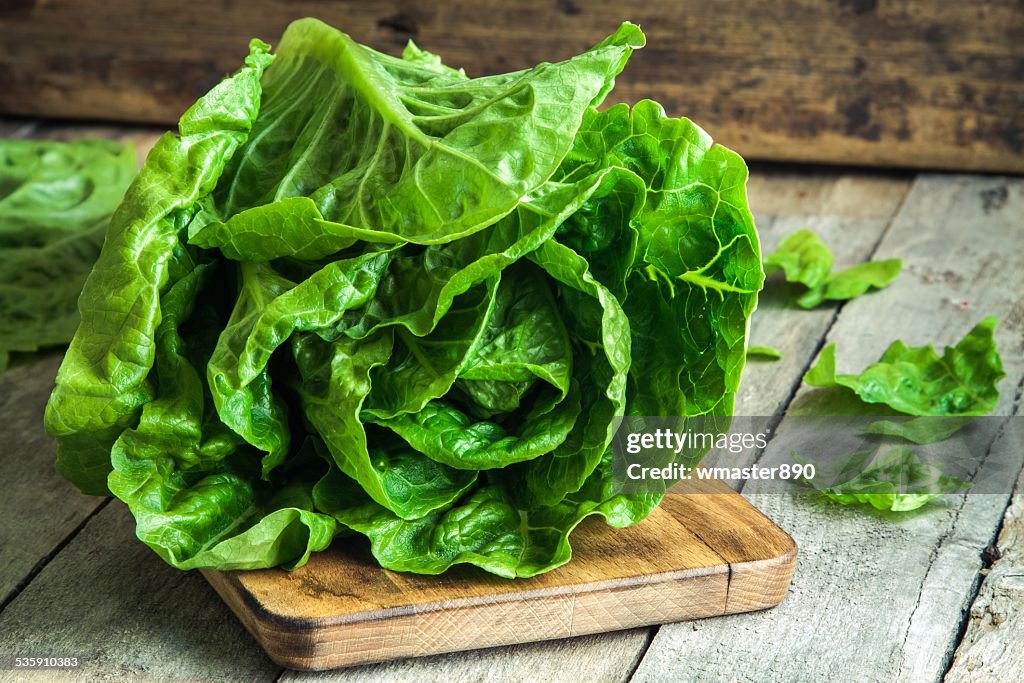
311, 644
316, 647
761, 584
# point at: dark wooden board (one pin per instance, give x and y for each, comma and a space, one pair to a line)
701, 554
928, 84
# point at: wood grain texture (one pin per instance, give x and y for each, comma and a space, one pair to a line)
700, 555
878, 597
39, 508
109, 600
992, 648
927, 84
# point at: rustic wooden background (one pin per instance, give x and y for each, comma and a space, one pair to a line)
904, 83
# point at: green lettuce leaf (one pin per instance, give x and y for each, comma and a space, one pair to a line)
769, 352
921, 430
917, 381
853, 282
896, 480
418, 155
102, 383
56, 199
803, 258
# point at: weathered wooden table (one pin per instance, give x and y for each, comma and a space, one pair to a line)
875, 597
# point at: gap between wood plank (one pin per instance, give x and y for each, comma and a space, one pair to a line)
46, 559
642, 652
965, 616
972, 592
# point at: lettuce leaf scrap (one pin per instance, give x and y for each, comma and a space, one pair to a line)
896, 480
917, 381
803, 258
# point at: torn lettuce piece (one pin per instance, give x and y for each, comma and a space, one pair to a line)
853, 282
921, 430
917, 381
897, 480
804, 259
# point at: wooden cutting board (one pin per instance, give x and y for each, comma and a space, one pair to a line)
699, 555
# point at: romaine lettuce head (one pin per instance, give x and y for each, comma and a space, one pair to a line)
366, 294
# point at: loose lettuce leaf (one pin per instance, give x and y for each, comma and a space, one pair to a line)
896, 480
853, 282
916, 381
50, 190
804, 259
56, 199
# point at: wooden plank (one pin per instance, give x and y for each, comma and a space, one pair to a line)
39, 509
110, 601
696, 556
991, 648
927, 84
850, 211
879, 597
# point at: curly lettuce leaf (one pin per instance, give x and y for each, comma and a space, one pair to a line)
408, 304
853, 282
335, 381
488, 529
103, 382
197, 499
669, 233
803, 258
363, 146
917, 381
